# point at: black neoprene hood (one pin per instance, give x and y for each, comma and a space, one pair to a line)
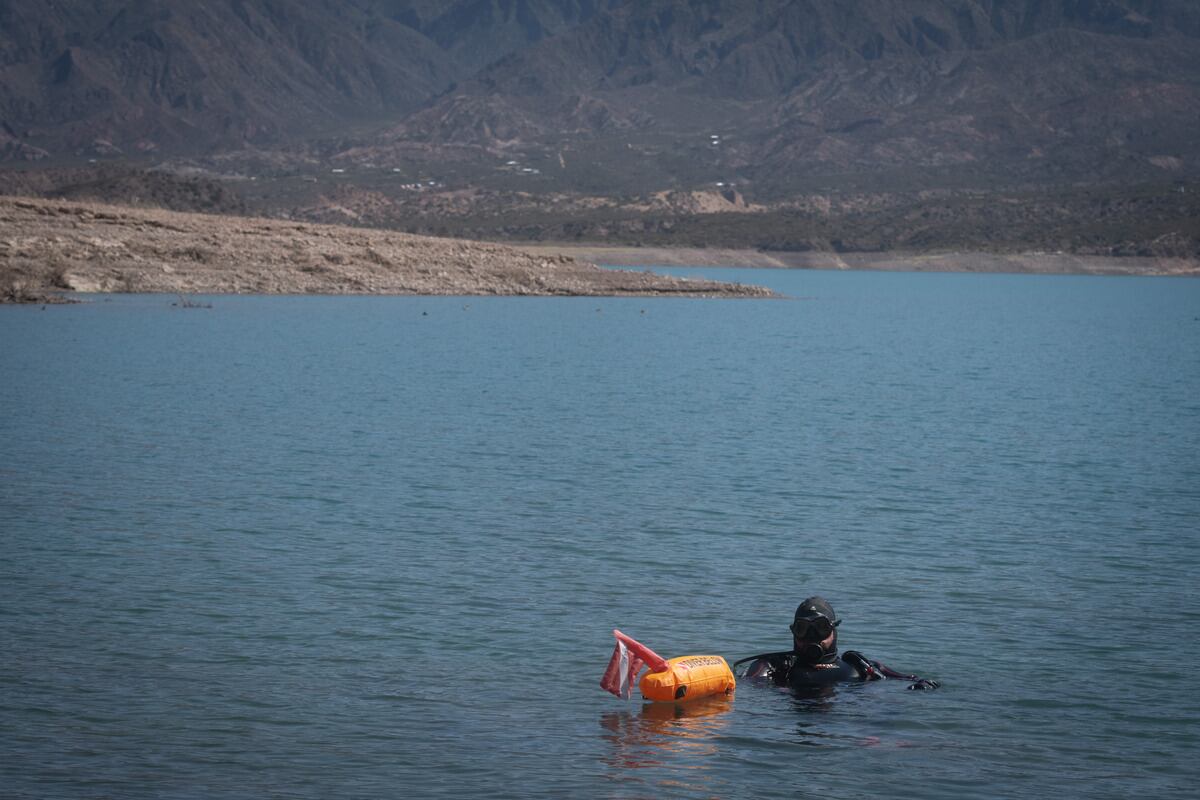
814, 606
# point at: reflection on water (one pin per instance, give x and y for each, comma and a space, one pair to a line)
820, 711
808, 701
817, 707
813, 699
677, 738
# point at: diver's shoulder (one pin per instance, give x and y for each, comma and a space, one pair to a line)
765, 665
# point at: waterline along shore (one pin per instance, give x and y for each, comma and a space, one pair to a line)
1033, 263
50, 247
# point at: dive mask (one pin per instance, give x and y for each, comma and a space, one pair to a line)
813, 629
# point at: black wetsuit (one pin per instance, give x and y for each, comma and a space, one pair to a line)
784, 669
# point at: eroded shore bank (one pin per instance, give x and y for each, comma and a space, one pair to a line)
1027, 263
50, 247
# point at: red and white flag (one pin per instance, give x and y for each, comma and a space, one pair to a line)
628, 658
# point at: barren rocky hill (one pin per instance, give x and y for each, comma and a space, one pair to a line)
861, 125
786, 91
54, 246
118, 77
615, 95
125, 77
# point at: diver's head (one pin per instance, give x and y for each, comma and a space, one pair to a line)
814, 631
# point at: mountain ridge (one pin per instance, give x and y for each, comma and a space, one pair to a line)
586, 110
810, 87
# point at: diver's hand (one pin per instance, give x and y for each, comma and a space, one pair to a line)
924, 685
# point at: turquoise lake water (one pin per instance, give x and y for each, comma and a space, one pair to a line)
375, 547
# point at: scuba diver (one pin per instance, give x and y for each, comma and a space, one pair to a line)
813, 660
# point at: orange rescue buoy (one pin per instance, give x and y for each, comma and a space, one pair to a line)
688, 677
682, 678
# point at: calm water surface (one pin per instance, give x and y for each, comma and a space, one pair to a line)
374, 547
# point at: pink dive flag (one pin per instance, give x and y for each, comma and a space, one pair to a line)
628, 658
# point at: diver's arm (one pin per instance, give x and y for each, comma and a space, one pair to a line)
918, 682
876, 670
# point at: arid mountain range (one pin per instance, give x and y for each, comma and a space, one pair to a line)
569, 118
1037, 89
176, 76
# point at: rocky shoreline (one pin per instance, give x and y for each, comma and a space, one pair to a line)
1022, 263
50, 248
